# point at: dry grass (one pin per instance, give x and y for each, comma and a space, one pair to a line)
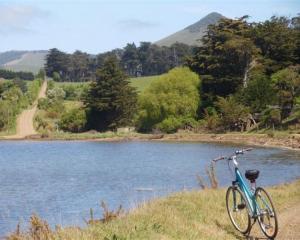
186, 215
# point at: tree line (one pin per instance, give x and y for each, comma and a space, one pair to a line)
144, 60
7, 74
244, 75
255, 66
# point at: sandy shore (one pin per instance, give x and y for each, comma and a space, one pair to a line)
288, 141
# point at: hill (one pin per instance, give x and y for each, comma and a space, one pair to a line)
191, 34
31, 61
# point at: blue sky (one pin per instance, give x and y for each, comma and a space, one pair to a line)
97, 26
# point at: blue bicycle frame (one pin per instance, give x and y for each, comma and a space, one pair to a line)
249, 195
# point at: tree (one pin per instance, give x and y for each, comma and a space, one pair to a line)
79, 66
277, 39
130, 59
57, 61
286, 83
259, 92
224, 60
111, 100
74, 120
170, 101
232, 113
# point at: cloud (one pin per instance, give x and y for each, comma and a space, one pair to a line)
136, 24
17, 19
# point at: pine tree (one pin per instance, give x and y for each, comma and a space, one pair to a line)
111, 101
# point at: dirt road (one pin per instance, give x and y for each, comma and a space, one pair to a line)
25, 119
289, 222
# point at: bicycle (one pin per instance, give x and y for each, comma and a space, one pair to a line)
244, 203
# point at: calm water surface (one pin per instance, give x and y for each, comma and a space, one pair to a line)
61, 181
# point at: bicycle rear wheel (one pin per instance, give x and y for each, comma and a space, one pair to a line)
237, 210
267, 217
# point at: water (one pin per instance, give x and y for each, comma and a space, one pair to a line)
61, 181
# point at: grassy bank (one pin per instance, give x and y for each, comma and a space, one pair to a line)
185, 215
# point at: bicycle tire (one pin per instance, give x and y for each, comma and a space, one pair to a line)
247, 226
269, 216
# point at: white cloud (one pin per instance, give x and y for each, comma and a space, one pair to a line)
136, 24
18, 18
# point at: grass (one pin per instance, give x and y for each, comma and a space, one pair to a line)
141, 83
184, 215
61, 135
61, 84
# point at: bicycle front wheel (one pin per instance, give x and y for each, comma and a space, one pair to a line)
237, 210
267, 217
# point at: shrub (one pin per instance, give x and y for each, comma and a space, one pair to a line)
169, 99
73, 120
231, 112
271, 117
169, 125
56, 94
55, 108
212, 119
56, 77
43, 104
33, 90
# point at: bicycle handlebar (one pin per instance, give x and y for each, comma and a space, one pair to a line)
218, 159
241, 151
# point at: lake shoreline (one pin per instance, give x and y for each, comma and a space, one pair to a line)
286, 141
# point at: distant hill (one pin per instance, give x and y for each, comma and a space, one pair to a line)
31, 61
191, 34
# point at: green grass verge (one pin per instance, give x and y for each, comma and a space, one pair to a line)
185, 215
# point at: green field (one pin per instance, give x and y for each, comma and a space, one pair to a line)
61, 84
141, 83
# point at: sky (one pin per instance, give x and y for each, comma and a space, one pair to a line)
98, 26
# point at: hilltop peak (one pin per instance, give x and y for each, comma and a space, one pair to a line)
192, 33
211, 18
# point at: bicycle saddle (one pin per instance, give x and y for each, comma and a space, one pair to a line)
252, 175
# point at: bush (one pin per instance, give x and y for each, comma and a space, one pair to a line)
73, 120
56, 94
169, 99
43, 104
55, 108
56, 77
271, 118
33, 90
172, 124
211, 119
21, 84
231, 112
75, 91
50, 85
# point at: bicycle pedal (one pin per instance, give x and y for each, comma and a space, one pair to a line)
241, 206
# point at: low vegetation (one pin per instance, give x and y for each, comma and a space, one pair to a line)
14, 96
170, 102
185, 215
